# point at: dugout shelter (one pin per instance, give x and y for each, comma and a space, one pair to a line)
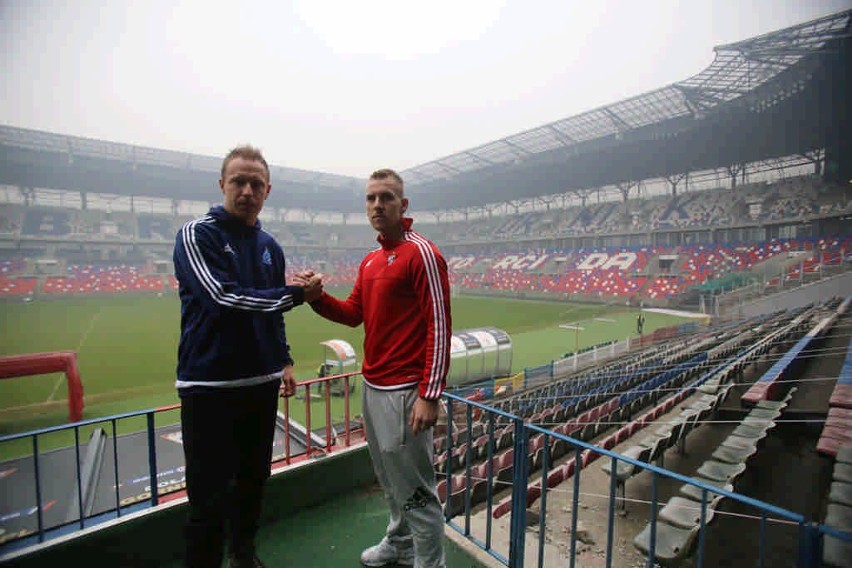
478, 354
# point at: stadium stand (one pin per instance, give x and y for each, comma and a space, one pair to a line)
837, 431
157, 228
88, 279
835, 552
46, 222
586, 245
587, 406
607, 274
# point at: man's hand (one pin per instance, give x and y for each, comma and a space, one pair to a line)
424, 414
313, 288
311, 282
288, 383
302, 278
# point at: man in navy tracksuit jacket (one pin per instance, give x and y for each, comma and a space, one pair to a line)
233, 358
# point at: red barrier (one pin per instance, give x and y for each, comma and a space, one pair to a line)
42, 363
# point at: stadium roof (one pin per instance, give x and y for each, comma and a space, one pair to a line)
678, 128
737, 69
141, 155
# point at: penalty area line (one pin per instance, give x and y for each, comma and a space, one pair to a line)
83, 339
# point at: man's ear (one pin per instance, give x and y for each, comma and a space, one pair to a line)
404, 205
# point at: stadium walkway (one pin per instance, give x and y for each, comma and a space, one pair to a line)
333, 534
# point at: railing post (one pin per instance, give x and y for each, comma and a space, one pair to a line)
468, 463
448, 468
39, 514
489, 476
518, 523
810, 546
115, 467
79, 475
328, 428
610, 527
152, 458
542, 520
308, 420
287, 430
346, 410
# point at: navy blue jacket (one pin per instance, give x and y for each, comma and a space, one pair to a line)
232, 295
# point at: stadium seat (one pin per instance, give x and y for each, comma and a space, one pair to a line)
835, 552
694, 492
740, 442
672, 544
625, 470
686, 513
720, 471
842, 472
840, 493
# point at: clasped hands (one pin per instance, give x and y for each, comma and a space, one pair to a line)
310, 282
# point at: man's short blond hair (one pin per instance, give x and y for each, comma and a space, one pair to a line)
246, 152
386, 173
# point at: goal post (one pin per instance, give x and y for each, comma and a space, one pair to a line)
12, 366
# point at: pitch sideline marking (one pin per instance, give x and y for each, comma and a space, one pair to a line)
79, 345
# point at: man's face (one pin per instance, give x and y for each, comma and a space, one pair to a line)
385, 207
245, 188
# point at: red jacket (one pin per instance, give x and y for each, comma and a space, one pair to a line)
402, 295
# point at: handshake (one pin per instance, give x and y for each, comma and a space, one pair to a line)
311, 282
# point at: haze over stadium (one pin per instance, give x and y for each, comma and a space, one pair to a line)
646, 216
342, 87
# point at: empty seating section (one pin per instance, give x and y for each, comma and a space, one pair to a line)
679, 519
611, 403
838, 515
622, 401
837, 431
770, 384
585, 273
11, 283
650, 384
88, 279
841, 396
633, 271
793, 198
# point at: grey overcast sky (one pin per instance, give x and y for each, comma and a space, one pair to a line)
347, 86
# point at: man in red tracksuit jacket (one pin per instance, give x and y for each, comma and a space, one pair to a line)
402, 295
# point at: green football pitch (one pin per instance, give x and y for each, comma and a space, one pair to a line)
126, 346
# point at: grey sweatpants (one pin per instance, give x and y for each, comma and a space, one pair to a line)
403, 466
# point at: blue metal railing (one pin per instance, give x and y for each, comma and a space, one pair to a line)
810, 534
82, 488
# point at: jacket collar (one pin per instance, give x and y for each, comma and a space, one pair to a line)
388, 243
218, 212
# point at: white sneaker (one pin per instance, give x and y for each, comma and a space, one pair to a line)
386, 553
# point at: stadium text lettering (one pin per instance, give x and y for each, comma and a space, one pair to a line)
603, 261
521, 262
457, 262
